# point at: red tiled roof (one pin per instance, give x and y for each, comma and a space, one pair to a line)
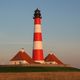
22, 55
52, 57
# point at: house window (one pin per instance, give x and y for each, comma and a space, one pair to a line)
20, 62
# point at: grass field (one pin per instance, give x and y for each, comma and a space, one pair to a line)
37, 69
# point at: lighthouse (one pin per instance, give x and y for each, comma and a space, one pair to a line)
37, 38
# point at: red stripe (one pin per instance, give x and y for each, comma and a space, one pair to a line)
37, 21
37, 36
38, 54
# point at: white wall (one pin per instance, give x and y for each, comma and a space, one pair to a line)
18, 62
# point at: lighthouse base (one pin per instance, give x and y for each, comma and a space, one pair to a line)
39, 61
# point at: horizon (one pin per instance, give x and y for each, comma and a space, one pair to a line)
60, 27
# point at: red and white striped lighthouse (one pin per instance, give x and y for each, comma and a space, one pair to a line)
37, 39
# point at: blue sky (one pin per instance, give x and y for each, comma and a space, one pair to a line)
60, 27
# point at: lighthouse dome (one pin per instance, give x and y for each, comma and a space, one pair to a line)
37, 14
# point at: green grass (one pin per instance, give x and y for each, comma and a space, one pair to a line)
36, 69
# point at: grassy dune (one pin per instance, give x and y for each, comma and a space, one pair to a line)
38, 73
37, 69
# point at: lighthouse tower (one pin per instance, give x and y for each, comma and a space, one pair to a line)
37, 38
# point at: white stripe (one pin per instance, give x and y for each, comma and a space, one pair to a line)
37, 45
37, 28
